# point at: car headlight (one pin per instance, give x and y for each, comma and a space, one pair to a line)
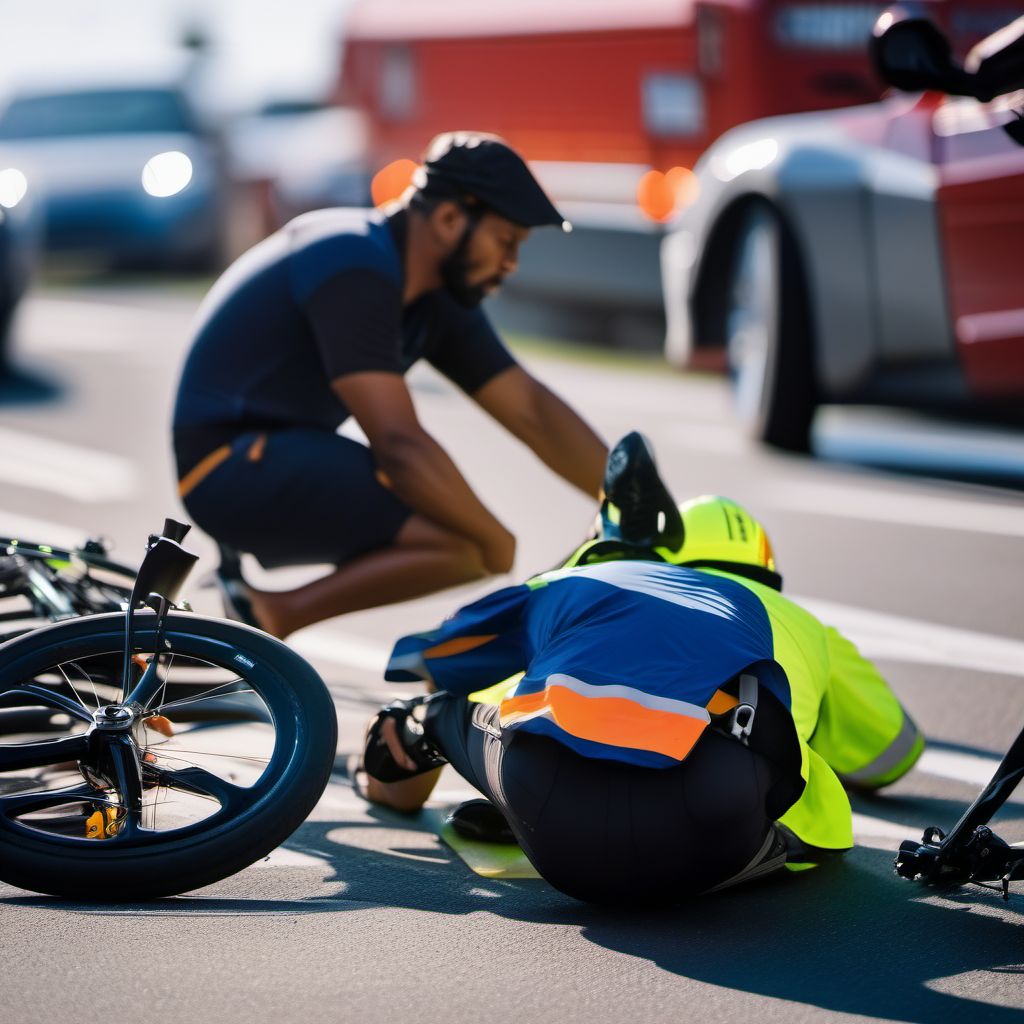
167, 174
13, 186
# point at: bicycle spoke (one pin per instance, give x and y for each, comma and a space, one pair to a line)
49, 698
24, 803
73, 690
167, 675
212, 695
162, 749
89, 679
18, 756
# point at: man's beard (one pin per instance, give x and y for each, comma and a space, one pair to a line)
455, 274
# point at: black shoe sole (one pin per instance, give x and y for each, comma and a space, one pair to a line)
647, 511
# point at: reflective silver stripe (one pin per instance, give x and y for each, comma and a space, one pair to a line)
764, 861
646, 700
891, 756
644, 578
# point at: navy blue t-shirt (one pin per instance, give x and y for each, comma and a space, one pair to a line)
319, 299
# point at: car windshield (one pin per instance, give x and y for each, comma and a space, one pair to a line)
95, 113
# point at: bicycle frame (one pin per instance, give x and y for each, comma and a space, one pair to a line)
971, 851
54, 598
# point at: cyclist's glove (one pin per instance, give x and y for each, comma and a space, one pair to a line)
377, 759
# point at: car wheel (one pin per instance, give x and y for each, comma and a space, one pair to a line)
767, 333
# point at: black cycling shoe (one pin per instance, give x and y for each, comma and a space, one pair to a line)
233, 590
480, 821
638, 508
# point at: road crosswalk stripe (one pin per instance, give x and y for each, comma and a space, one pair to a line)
69, 470
885, 506
881, 635
39, 531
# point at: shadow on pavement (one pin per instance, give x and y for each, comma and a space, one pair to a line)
848, 937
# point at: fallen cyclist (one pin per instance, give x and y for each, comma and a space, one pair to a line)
679, 725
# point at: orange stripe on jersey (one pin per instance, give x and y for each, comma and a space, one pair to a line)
614, 721
459, 645
721, 702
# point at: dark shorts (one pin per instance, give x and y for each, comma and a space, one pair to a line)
606, 831
299, 497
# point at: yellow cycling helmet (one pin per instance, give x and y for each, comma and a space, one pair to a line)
720, 534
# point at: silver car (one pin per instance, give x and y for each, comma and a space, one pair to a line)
856, 255
124, 171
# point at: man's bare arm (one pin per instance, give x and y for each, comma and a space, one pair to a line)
549, 427
417, 468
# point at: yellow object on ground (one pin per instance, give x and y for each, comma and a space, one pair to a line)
97, 828
489, 860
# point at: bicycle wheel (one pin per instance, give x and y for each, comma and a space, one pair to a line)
103, 801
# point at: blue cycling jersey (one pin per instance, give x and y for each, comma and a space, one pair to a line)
656, 639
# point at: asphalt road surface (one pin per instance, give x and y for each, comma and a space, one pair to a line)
364, 915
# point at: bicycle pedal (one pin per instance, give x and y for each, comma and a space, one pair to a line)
97, 828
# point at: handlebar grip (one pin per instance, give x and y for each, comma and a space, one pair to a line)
173, 530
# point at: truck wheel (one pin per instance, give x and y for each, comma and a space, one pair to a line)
767, 333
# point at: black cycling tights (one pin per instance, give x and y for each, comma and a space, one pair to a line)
606, 831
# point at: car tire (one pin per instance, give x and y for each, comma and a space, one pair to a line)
767, 332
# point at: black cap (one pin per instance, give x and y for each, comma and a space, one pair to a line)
487, 168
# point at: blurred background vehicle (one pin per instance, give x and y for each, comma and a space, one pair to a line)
19, 227
125, 171
612, 103
297, 154
870, 254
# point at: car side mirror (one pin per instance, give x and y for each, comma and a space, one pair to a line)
997, 62
912, 54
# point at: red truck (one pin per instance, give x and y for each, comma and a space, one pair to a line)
612, 102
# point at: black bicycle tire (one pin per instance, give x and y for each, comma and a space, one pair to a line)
168, 866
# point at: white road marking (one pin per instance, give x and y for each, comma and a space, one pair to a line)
881, 834
71, 471
40, 531
878, 506
709, 437
342, 649
959, 767
68, 325
881, 635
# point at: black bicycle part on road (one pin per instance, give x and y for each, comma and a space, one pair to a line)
971, 852
57, 583
101, 770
